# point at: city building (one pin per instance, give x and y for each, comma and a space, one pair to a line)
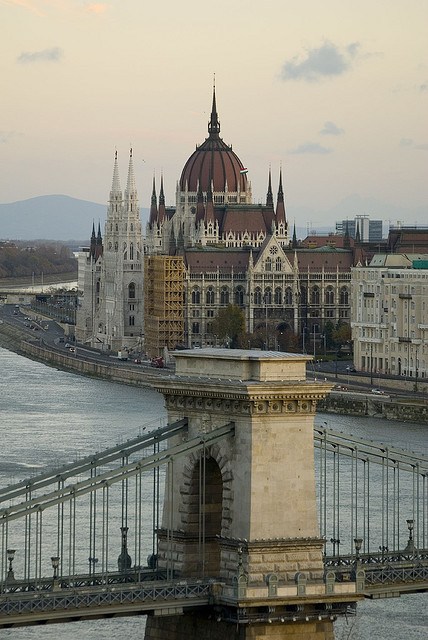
110, 274
368, 230
390, 315
227, 250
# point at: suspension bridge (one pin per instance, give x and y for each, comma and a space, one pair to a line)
239, 512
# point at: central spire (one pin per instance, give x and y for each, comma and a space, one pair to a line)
214, 123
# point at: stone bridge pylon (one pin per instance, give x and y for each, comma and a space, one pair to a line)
245, 510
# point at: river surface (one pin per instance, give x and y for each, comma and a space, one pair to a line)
49, 417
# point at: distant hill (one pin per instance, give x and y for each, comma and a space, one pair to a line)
55, 217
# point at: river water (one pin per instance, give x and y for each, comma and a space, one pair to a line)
49, 417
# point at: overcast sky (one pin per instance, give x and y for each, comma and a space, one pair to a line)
336, 92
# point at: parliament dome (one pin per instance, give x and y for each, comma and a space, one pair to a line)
214, 163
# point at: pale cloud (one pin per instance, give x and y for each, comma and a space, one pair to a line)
323, 62
28, 5
310, 147
331, 129
46, 55
96, 8
408, 142
6, 136
39, 7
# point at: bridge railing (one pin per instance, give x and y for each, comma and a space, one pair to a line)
371, 496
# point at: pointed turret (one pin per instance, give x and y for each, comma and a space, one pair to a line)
280, 206
92, 249
99, 243
161, 213
200, 209
357, 234
116, 191
214, 123
153, 206
209, 208
294, 241
269, 197
131, 190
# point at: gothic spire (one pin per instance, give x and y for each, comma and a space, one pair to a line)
214, 123
280, 206
153, 206
131, 190
209, 209
99, 243
93, 241
357, 233
116, 191
200, 209
269, 197
161, 214
294, 241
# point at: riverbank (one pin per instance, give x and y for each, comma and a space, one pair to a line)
392, 406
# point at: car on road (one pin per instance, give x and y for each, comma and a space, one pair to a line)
378, 392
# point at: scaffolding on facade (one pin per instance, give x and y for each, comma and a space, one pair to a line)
163, 304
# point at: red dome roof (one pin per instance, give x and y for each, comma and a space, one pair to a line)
213, 161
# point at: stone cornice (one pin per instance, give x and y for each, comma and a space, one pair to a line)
245, 399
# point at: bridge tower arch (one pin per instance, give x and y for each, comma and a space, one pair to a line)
244, 509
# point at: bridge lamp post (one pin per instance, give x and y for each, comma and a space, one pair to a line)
410, 548
358, 542
10, 556
55, 565
334, 542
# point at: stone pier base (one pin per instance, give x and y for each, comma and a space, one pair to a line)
199, 627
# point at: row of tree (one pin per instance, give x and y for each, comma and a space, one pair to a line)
21, 260
229, 327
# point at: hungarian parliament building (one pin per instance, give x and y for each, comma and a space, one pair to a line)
213, 249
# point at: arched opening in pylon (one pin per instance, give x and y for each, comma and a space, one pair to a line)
205, 513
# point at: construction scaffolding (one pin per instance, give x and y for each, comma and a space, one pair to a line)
163, 303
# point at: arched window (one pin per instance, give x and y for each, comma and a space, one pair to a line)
224, 296
278, 296
278, 264
196, 296
210, 296
268, 296
303, 295
329, 295
315, 295
268, 264
131, 321
288, 296
257, 295
239, 296
131, 290
344, 295
131, 251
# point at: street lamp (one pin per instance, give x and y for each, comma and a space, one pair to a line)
10, 556
358, 542
124, 560
334, 542
55, 565
410, 548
